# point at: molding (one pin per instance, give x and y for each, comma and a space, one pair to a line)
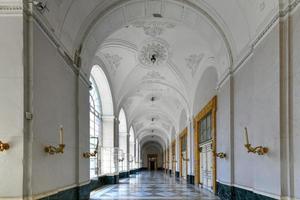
280, 15
11, 8
44, 26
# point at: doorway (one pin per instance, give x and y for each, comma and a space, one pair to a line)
205, 146
183, 154
152, 162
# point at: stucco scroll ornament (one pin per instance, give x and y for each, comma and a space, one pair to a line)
260, 150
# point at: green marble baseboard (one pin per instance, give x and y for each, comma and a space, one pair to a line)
226, 192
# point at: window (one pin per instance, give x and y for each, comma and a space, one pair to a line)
95, 126
205, 129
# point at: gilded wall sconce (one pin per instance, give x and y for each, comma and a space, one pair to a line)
220, 155
93, 154
260, 150
184, 159
60, 149
3, 146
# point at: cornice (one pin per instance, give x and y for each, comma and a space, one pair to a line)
11, 8
280, 15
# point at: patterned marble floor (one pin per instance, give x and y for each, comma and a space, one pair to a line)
151, 185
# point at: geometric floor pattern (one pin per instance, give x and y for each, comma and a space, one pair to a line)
151, 185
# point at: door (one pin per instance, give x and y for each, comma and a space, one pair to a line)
206, 168
184, 164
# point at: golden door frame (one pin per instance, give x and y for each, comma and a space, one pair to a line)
167, 160
173, 149
211, 107
182, 136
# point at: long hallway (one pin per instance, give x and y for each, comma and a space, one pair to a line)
151, 185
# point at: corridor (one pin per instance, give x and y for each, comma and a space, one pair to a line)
151, 185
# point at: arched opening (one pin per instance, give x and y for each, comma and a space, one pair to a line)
131, 149
101, 124
123, 142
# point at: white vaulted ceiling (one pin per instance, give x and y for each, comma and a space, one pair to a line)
189, 37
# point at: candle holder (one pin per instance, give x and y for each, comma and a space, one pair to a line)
60, 149
260, 150
220, 155
3, 146
89, 154
55, 150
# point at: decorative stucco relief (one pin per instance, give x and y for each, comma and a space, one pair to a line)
153, 28
114, 61
193, 61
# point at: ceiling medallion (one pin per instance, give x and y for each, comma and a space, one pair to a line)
153, 52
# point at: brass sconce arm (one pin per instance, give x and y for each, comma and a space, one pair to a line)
3, 146
88, 154
260, 150
220, 155
121, 160
185, 159
174, 161
55, 150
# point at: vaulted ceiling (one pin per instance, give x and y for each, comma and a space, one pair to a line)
186, 36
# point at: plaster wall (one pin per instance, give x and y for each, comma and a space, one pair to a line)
295, 115
11, 104
54, 104
256, 106
224, 143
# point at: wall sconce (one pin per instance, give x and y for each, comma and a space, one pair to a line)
60, 149
3, 146
260, 150
89, 154
220, 155
184, 159
174, 161
121, 160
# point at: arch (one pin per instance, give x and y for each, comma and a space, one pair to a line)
101, 122
123, 141
104, 90
131, 147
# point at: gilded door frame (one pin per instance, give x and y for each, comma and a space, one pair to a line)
182, 136
173, 149
211, 106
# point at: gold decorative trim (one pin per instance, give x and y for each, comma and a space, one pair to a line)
182, 136
211, 106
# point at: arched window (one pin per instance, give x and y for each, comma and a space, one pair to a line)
95, 126
101, 124
123, 134
131, 148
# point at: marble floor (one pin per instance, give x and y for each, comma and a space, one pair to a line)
151, 185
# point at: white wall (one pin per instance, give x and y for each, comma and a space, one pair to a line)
224, 143
54, 104
296, 99
256, 106
11, 104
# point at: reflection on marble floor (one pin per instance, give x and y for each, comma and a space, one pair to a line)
151, 185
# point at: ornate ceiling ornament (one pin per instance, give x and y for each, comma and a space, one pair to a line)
193, 61
153, 75
114, 61
153, 28
153, 52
